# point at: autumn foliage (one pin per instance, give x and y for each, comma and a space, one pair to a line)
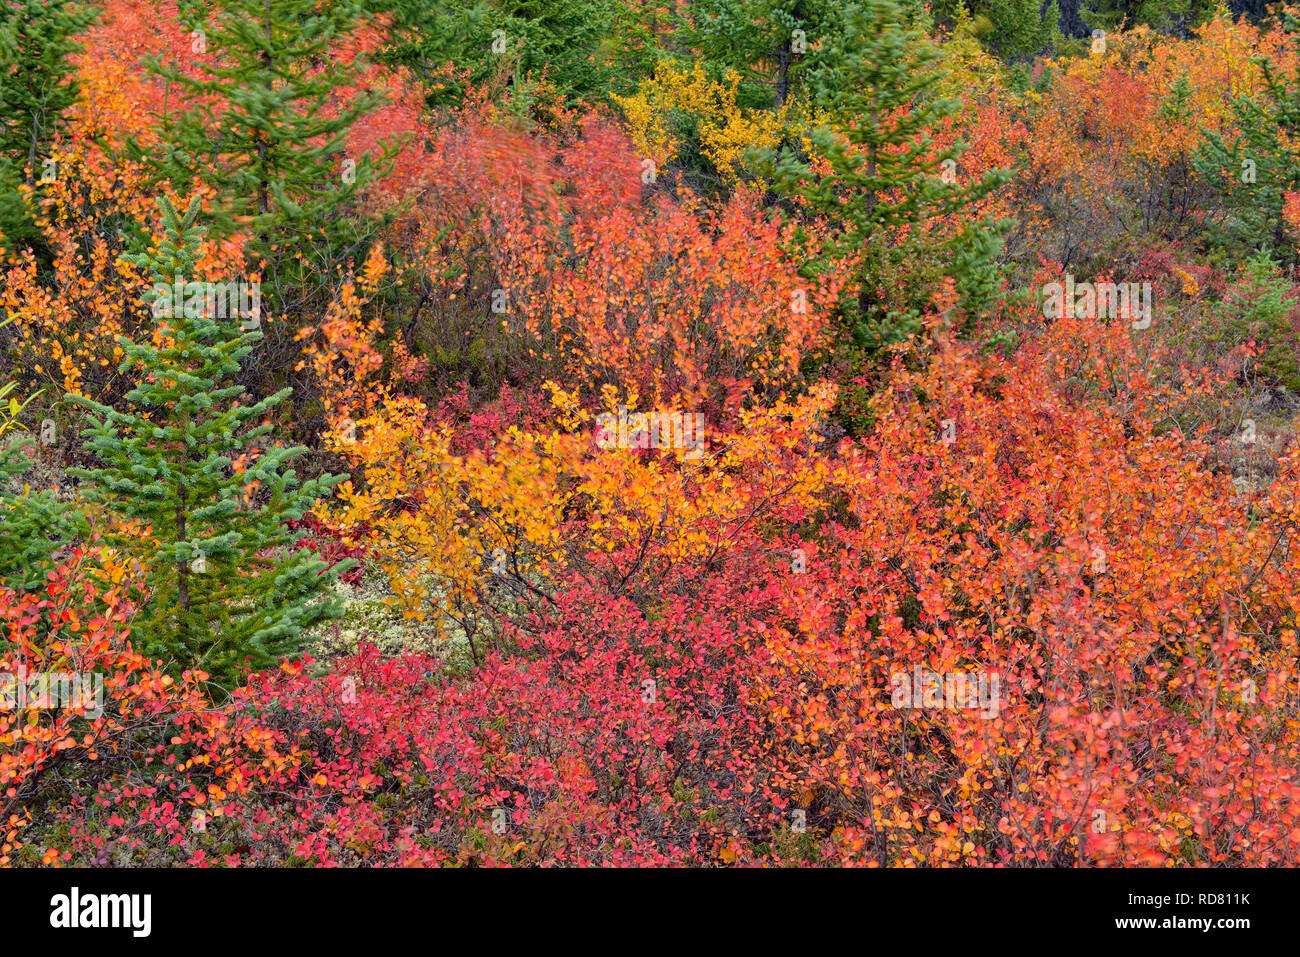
566, 645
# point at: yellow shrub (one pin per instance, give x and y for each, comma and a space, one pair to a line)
726, 130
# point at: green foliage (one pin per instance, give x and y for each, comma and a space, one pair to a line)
274, 106
1264, 307
1016, 30
225, 583
39, 36
876, 78
1167, 15
566, 41
33, 524
1253, 172
767, 42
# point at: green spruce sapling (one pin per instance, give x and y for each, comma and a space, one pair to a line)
225, 584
